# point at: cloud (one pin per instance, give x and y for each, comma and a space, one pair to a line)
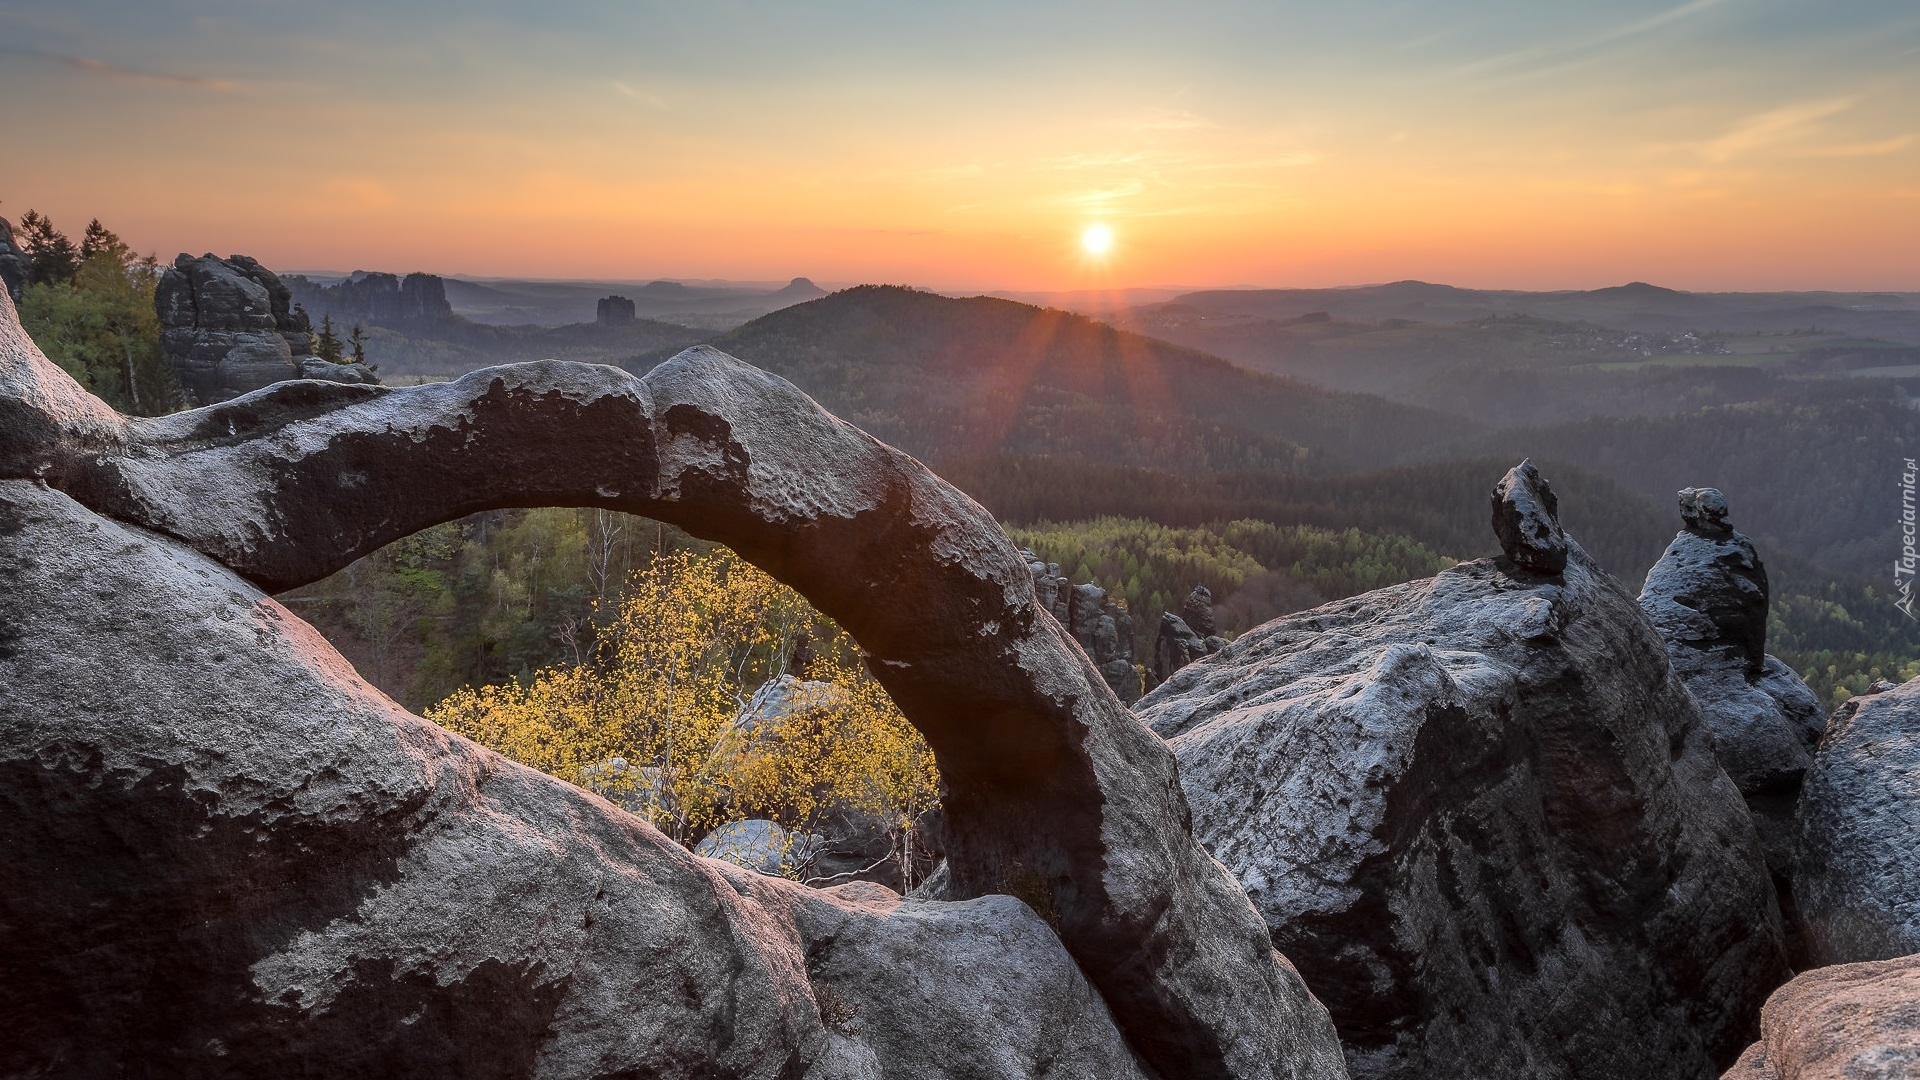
1522, 57
1770, 128
1855, 150
115, 71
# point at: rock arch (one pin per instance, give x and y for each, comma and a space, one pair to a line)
1050, 779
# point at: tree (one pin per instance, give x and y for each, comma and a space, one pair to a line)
51, 257
357, 340
98, 323
96, 240
671, 718
326, 343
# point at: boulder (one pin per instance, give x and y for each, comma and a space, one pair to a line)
1485, 820
1847, 1022
756, 844
1526, 520
1197, 611
1708, 597
227, 326
237, 857
312, 367
1856, 873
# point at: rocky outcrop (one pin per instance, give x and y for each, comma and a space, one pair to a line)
1185, 637
13, 263
1856, 879
228, 327
415, 905
1708, 597
1102, 625
374, 298
1850, 1022
1526, 520
1486, 821
614, 311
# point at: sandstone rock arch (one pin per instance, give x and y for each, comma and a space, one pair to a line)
1050, 779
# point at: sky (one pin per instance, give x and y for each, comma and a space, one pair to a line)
1537, 144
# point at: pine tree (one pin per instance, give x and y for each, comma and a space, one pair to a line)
327, 343
99, 239
51, 257
357, 341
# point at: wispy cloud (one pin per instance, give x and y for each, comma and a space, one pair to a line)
1857, 150
115, 71
1772, 128
1521, 58
1167, 120
651, 100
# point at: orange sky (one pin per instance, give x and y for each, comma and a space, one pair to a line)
1715, 144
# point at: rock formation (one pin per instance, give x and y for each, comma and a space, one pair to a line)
1856, 879
1102, 626
1708, 597
614, 311
1850, 1022
234, 856
13, 263
374, 298
1486, 821
228, 326
1526, 520
1185, 637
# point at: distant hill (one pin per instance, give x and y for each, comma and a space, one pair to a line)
705, 305
1634, 306
946, 378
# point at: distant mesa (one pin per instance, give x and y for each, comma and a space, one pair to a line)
374, 298
664, 290
614, 311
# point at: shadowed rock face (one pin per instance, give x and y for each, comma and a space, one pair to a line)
13, 263
283, 866
1486, 821
1708, 597
1857, 864
228, 327
1849, 1022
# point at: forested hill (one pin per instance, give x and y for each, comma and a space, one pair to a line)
946, 378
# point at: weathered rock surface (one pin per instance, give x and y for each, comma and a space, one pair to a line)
1856, 876
235, 857
227, 326
1708, 597
1485, 820
1849, 1022
1185, 637
1103, 627
1526, 519
13, 263
312, 367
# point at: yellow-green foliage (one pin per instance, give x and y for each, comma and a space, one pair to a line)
694, 637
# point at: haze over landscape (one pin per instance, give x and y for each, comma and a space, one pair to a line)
1708, 145
857, 540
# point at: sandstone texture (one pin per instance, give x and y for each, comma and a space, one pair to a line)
1486, 821
233, 857
1856, 876
1849, 1022
1708, 597
228, 327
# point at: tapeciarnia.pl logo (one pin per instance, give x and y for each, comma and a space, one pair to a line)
1904, 566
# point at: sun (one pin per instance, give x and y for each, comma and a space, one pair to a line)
1096, 240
